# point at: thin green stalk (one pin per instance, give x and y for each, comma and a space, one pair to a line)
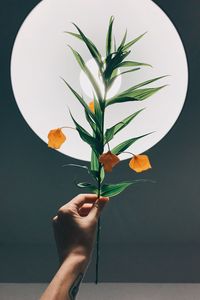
98, 247
99, 194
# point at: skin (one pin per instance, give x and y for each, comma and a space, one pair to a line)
74, 230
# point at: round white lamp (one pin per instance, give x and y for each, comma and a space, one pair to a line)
40, 57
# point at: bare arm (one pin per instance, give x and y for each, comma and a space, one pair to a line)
74, 229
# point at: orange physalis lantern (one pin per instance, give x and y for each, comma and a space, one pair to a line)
109, 160
56, 138
140, 163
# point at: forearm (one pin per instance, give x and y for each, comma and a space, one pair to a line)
65, 284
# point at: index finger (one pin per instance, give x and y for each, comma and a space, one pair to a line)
81, 199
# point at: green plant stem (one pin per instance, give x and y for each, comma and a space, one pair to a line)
99, 194
98, 250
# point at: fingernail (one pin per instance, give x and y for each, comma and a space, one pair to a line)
104, 199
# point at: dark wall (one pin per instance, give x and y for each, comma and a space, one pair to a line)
150, 233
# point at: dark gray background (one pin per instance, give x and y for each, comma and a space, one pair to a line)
150, 233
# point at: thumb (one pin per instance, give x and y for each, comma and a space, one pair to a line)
98, 207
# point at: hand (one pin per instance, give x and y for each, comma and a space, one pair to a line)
75, 225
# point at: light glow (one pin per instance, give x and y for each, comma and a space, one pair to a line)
87, 86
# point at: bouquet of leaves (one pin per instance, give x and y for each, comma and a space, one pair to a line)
110, 66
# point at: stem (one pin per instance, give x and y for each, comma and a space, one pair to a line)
108, 146
99, 194
98, 250
67, 127
128, 153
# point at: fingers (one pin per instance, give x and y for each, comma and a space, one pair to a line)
75, 204
55, 218
98, 207
84, 205
80, 199
85, 209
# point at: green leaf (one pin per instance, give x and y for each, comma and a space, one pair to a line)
115, 45
88, 186
145, 83
78, 36
124, 145
87, 72
135, 95
109, 37
86, 137
94, 168
96, 131
98, 111
76, 166
94, 165
83, 103
122, 42
114, 73
132, 64
91, 122
141, 94
109, 134
111, 190
102, 174
128, 71
128, 45
107, 60
111, 65
81, 167
92, 48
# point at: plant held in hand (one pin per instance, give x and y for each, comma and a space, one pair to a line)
104, 161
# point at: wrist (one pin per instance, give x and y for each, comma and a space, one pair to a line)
68, 278
81, 252
80, 259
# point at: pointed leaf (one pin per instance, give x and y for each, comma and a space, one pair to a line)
93, 173
140, 94
109, 134
76, 166
87, 72
97, 110
124, 145
123, 41
78, 36
92, 48
128, 45
145, 83
109, 37
111, 190
128, 71
115, 45
132, 64
94, 167
135, 95
91, 122
88, 186
86, 137
83, 103
112, 64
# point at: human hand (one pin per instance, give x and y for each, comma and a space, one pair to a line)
75, 225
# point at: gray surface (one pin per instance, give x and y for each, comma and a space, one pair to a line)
108, 291
33, 185
130, 262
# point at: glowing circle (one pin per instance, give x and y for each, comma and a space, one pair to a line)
40, 57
